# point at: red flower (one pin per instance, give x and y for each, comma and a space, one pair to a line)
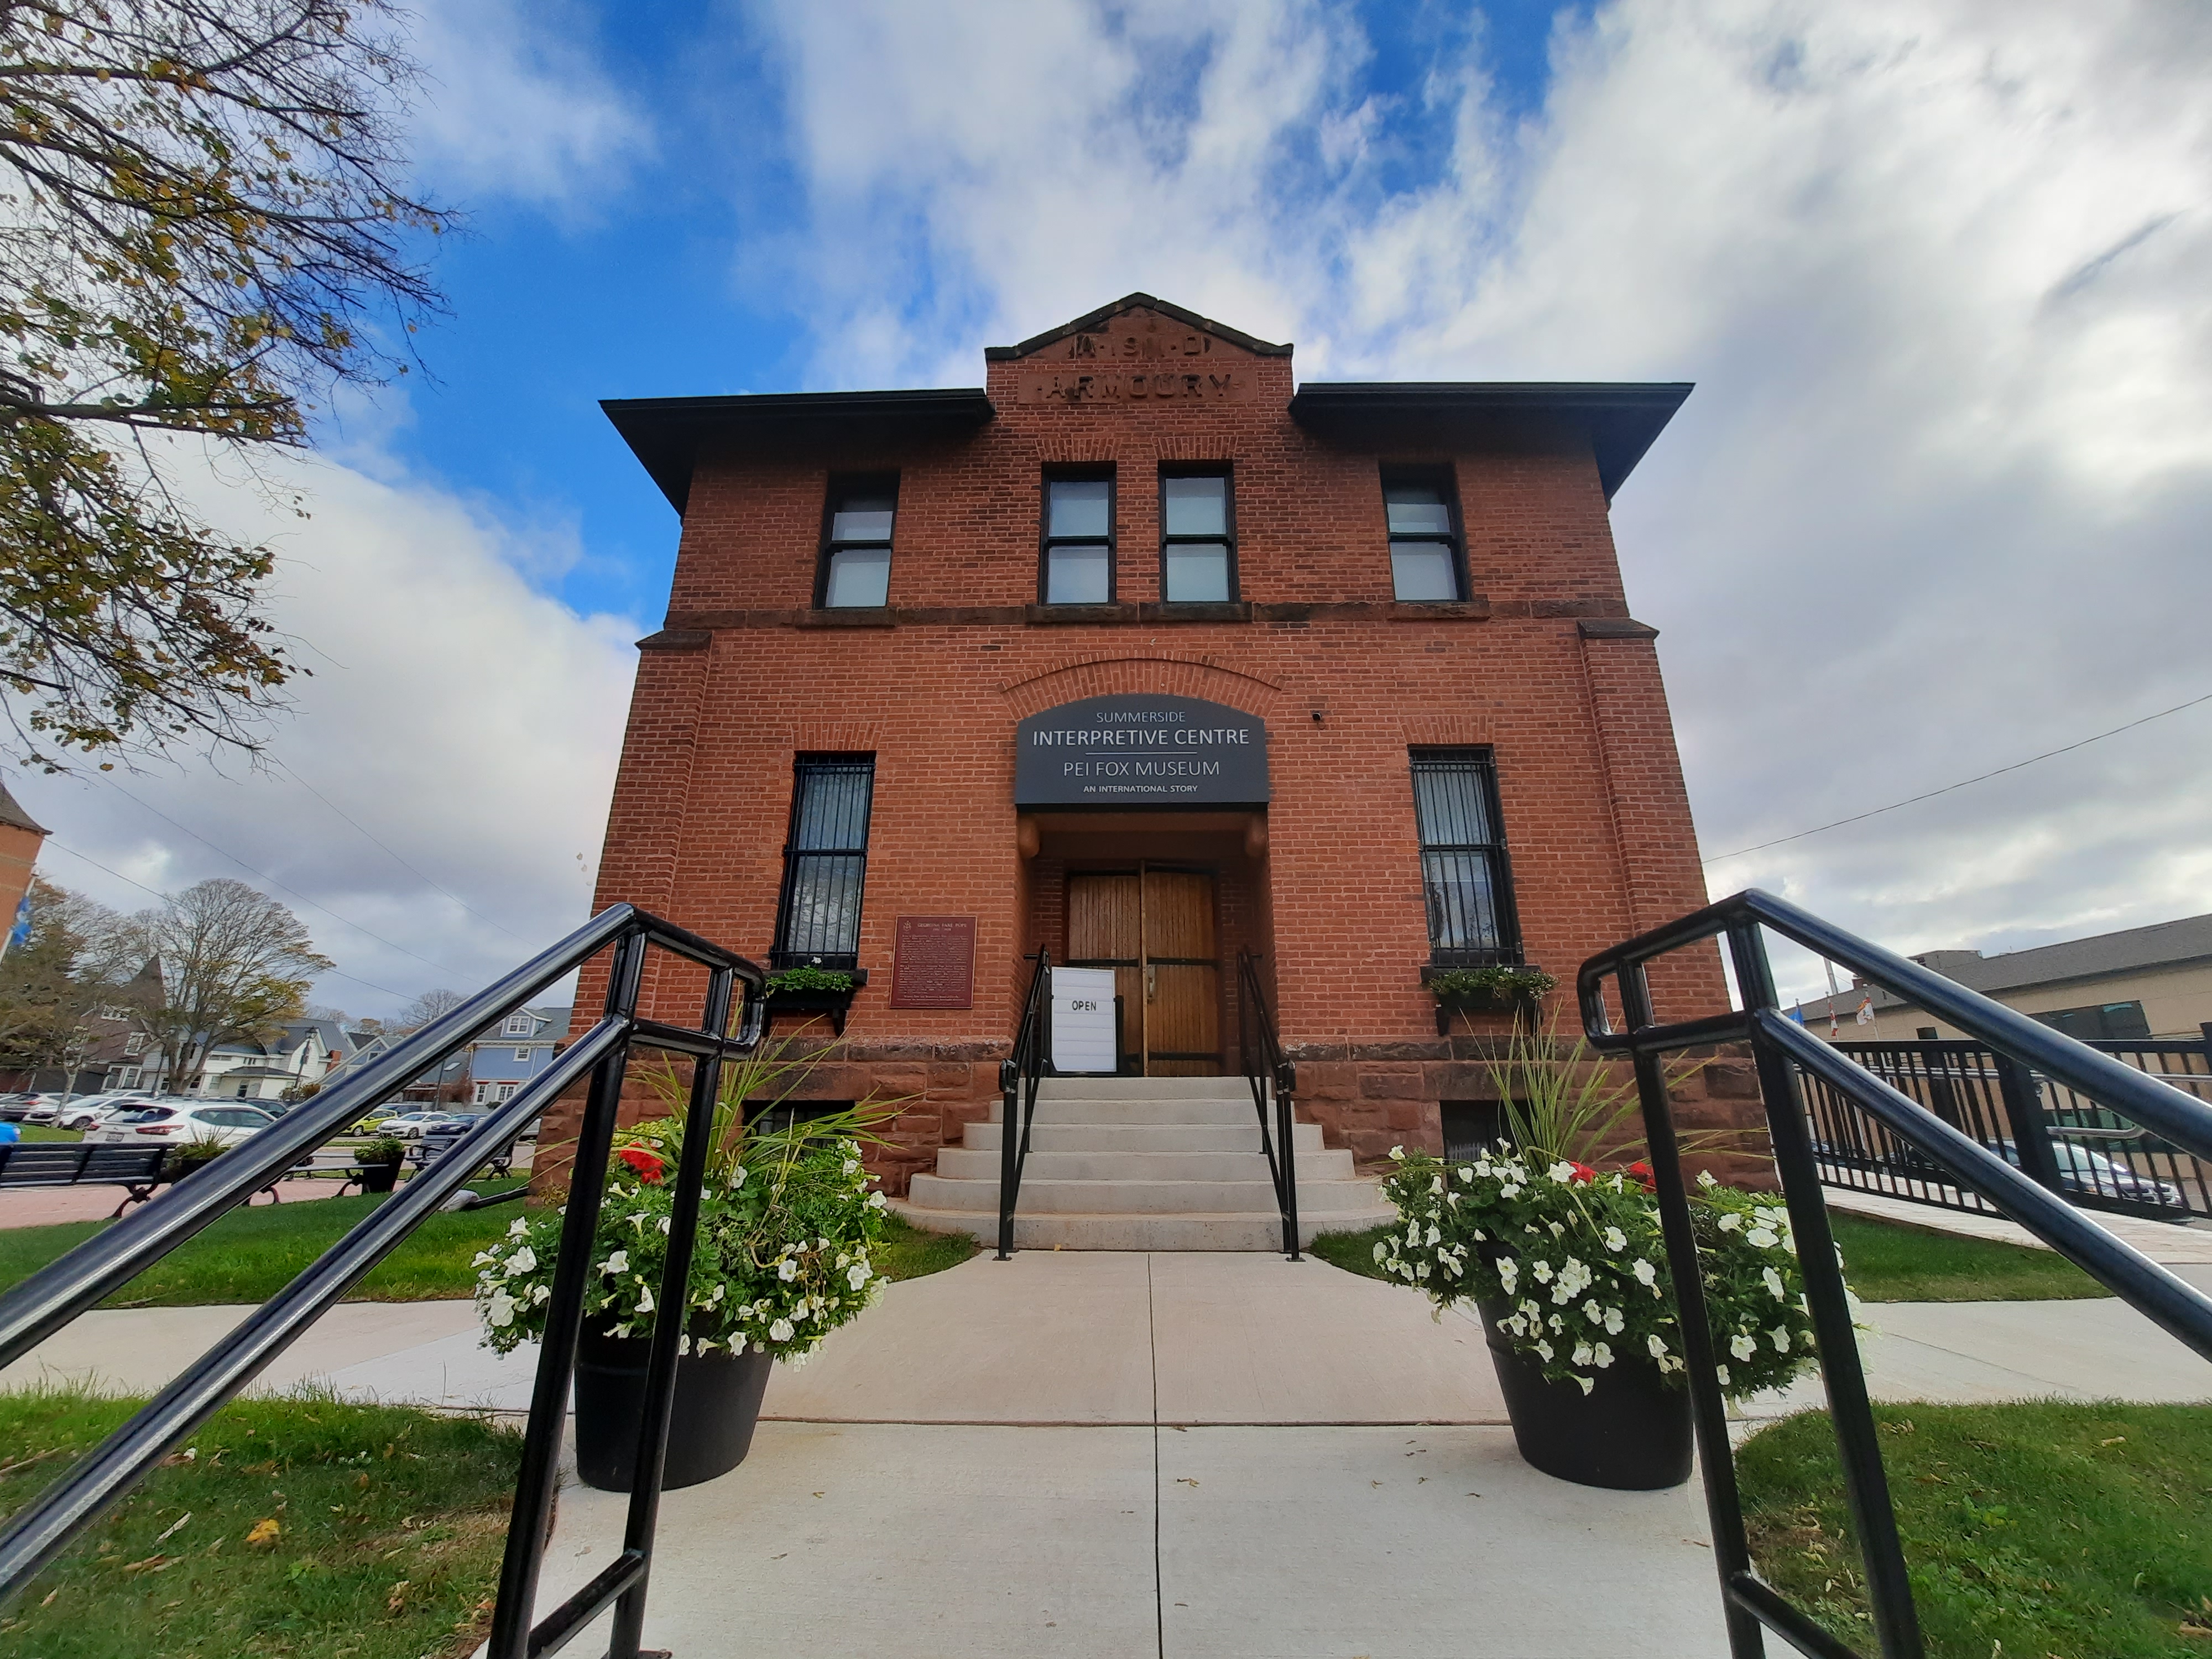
648, 1165
1583, 1172
1642, 1171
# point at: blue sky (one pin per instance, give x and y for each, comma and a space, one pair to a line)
1938, 268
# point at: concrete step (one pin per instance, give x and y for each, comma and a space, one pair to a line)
1096, 1108
964, 1163
1144, 1088
1233, 1231
1142, 1138
1044, 1196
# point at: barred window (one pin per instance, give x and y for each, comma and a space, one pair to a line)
1464, 876
825, 861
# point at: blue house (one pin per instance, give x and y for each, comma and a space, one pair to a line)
522, 1045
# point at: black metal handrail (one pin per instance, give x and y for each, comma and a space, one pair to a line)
1271, 1080
1782, 1049
1019, 1075
58, 1293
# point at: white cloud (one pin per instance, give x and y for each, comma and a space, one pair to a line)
463, 719
518, 104
1938, 502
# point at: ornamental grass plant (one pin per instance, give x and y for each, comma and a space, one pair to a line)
788, 1221
1569, 1256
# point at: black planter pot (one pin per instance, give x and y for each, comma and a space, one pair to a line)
1480, 1002
379, 1177
718, 1401
1630, 1432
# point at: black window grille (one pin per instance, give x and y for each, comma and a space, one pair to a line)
1077, 564
1465, 878
856, 542
1198, 537
825, 861
1427, 554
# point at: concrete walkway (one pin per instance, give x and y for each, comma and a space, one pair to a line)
1115, 1453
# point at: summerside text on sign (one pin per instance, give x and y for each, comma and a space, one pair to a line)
1142, 749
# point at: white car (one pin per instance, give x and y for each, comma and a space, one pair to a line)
178, 1124
409, 1126
83, 1113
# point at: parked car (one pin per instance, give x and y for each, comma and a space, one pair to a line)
2081, 1170
88, 1110
14, 1106
176, 1122
408, 1125
31, 1107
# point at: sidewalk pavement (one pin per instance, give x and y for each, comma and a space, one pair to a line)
1101, 1454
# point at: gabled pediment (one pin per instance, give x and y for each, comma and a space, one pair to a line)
1134, 331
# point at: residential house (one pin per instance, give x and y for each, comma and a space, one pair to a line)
501, 1061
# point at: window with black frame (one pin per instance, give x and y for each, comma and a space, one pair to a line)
1198, 537
1465, 880
825, 860
1077, 558
856, 542
1421, 514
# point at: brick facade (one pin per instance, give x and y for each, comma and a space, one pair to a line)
1540, 662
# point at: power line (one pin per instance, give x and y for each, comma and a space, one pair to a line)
1860, 817
293, 774
356, 978
273, 882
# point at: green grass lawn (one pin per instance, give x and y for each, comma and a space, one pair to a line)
251, 1253
1885, 1263
2032, 1529
32, 1132
297, 1526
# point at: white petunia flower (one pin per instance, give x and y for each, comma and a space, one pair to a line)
616, 1263
1545, 1349
780, 1331
523, 1260
1772, 1280
858, 1276
1742, 1346
1645, 1272
1563, 1172
1781, 1340
500, 1310
852, 1164
1466, 1177
1382, 1249
787, 1270
1705, 1179
644, 1296
1722, 1373
1761, 1237
1583, 1355
1657, 1344
1543, 1272
1587, 1382
1614, 1322
521, 1226
1398, 1154
738, 1175
1602, 1355
876, 1201
540, 1295
666, 1222
1433, 1234
1615, 1239
1729, 1221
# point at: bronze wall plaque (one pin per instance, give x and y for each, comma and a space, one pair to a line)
935, 966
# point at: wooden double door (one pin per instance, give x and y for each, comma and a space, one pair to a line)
1154, 926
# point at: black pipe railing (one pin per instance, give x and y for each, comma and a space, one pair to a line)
1783, 1050
58, 1293
1270, 1078
1019, 1074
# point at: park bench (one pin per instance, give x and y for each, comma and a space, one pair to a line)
136, 1170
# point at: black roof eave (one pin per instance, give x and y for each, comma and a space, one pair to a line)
1620, 421
667, 433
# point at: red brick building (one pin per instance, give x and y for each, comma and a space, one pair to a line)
1343, 676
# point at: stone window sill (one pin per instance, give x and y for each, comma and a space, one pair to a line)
1230, 610
858, 615
1080, 613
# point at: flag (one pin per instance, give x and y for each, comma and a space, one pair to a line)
22, 930
1865, 1015
1798, 1013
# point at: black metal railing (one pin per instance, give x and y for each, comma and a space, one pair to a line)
58, 1293
1019, 1074
1784, 1051
1270, 1078
2060, 1138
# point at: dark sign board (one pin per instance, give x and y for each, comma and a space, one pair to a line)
1142, 749
935, 966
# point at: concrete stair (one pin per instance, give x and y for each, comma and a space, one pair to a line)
1142, 1163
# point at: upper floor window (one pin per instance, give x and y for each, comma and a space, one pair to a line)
1426, 555
856, 542
522, 1054
1464, 878
825, 861
1079, 540
1198, 538
520, 1025
2099, 1022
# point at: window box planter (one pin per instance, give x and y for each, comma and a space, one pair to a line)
804, 994
1502, 990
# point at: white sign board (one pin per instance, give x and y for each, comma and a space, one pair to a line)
1083, 1020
